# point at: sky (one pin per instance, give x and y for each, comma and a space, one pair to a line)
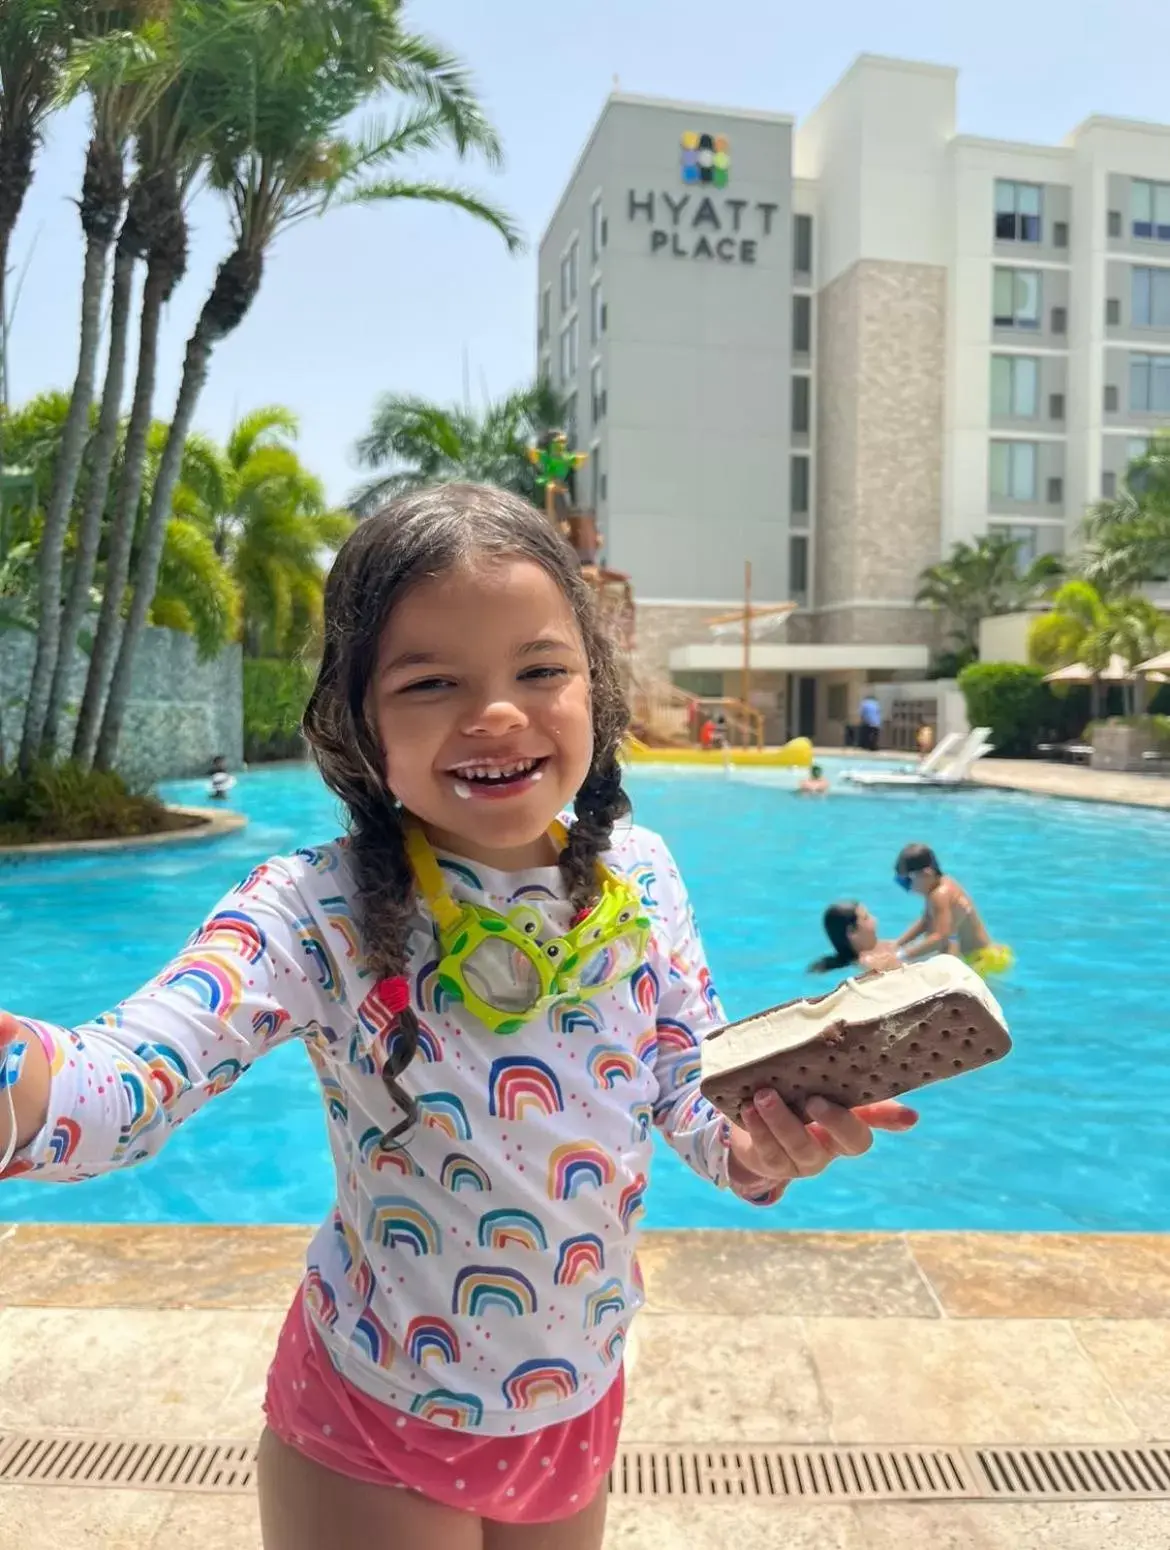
421, 300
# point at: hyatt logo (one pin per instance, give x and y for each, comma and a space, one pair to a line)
706, 158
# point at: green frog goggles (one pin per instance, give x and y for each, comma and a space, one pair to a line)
496, 964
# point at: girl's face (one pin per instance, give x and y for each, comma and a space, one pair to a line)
481, 697
863, 937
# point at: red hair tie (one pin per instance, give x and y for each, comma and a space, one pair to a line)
393, 994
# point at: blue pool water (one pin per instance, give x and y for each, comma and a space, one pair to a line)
1069, 1133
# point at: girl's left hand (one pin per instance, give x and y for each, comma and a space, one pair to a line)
774, 1145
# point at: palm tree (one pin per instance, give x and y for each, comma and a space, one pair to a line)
1083, 626
981, 580
306, 69
175, 141
425, 443
32, 40
195, 593
122, 68
266, 517
1128, 538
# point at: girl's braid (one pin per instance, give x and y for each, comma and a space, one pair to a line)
600, 803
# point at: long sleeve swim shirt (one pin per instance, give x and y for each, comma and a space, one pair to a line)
483, 1276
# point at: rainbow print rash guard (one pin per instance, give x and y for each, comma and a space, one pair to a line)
485, 1276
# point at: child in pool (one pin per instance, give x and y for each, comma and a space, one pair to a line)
450, 1372
815, 783
950, 923
853, 931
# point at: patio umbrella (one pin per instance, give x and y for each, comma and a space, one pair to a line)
1156, 667
1118, 671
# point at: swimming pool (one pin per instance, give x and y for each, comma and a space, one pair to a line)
1068, 1134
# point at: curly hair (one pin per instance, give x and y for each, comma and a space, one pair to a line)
419, 535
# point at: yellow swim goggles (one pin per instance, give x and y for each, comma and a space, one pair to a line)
498, 967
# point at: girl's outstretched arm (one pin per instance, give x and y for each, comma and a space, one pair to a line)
108, 1093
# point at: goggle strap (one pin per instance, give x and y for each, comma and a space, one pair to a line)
429, 876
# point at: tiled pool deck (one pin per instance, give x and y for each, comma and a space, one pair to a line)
749, 1338
1070, 780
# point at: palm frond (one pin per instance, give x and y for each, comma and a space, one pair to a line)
193, 577
379, 191
266, 427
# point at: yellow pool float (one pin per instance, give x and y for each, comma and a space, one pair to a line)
794, 755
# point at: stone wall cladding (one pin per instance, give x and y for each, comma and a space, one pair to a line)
882, 343
877, 627
660, 627
182, 711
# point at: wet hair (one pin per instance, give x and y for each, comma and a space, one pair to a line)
417, 536
838, 920
916, 858
815, 772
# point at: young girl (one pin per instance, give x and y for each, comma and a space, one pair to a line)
499, 1007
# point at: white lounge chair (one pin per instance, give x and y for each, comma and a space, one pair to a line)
946, 776
942, 751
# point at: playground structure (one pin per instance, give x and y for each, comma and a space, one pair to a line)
667, 722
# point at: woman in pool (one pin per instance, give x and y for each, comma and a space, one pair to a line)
497, 1018
853, 931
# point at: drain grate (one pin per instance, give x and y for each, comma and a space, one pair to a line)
1075, 1474
221, 1467
814, 1474
794, 1474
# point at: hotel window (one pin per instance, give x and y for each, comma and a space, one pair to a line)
802, 244
1015, 386
569, 351
798, 486
1150, 297
1149, 205
1016, 302
545, 309
801, 399
1135, 450
798, 566
595, 475
595, 230
596, 313
1017, 211
597, 392
1149, 383
801, 325
1013, 470
1031, 542
572, 417
1108, 484
569, 275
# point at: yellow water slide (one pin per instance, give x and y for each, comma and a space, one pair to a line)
798, 754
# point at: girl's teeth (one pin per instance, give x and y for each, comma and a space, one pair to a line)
462, 789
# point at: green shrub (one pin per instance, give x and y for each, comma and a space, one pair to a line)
275, 696
1011, 699
65, 802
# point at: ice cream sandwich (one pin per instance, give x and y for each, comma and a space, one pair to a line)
874, 1037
